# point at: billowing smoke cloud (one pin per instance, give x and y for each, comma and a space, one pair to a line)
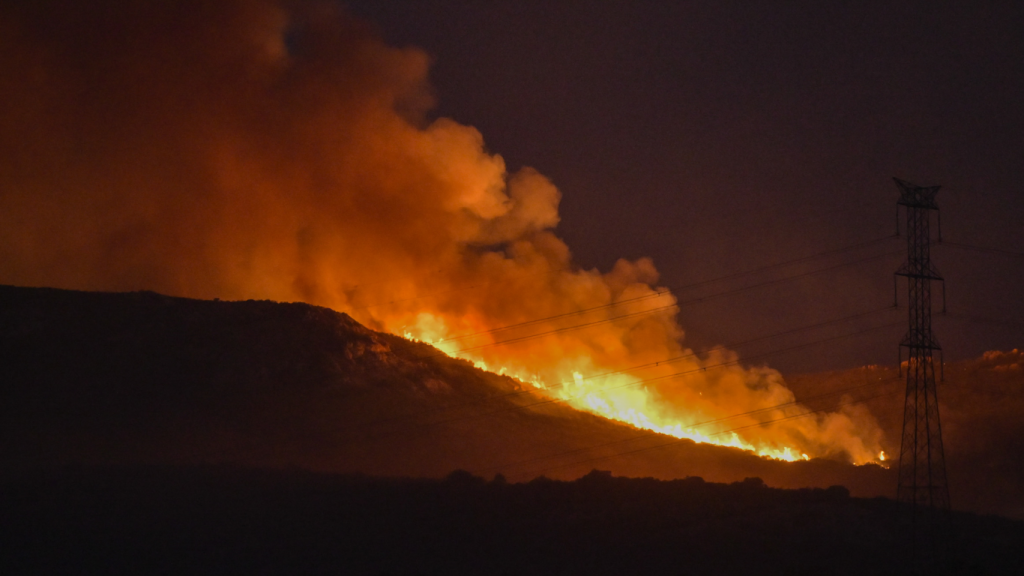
256, 149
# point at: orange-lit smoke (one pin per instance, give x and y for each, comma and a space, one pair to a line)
254, 149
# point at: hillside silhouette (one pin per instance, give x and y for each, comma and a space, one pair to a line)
141, 378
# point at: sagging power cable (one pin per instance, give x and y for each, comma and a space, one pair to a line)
998, 251
660, 308
678, 288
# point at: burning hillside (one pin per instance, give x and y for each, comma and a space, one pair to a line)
256, 149
140, 378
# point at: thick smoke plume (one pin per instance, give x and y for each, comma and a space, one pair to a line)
256, 149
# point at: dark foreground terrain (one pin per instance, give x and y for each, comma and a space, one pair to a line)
223, 520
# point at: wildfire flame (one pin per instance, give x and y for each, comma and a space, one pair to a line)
287, 153
632, 396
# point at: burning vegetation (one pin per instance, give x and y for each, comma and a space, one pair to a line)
259, 149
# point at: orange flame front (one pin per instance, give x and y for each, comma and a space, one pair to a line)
586, 361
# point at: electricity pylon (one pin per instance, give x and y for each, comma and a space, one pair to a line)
922, 473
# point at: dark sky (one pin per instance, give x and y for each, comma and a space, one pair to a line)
719, 137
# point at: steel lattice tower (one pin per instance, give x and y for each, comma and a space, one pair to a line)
922, 473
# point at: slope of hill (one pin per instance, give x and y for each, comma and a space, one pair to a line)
140, 378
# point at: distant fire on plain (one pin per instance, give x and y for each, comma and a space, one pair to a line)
243, 149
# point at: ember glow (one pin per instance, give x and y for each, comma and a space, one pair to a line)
244, 150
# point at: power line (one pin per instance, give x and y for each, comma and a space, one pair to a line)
663, 308
415, 298
999, 251
678, 288
750, 341
796, 261
646, 296
557, 316
697, 300
568, 328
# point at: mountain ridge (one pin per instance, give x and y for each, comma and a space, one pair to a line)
138, 377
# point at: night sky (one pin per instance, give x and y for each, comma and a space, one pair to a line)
721, 137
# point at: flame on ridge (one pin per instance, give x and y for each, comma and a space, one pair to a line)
623, 397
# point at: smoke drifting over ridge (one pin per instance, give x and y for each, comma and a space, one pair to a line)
254, 149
